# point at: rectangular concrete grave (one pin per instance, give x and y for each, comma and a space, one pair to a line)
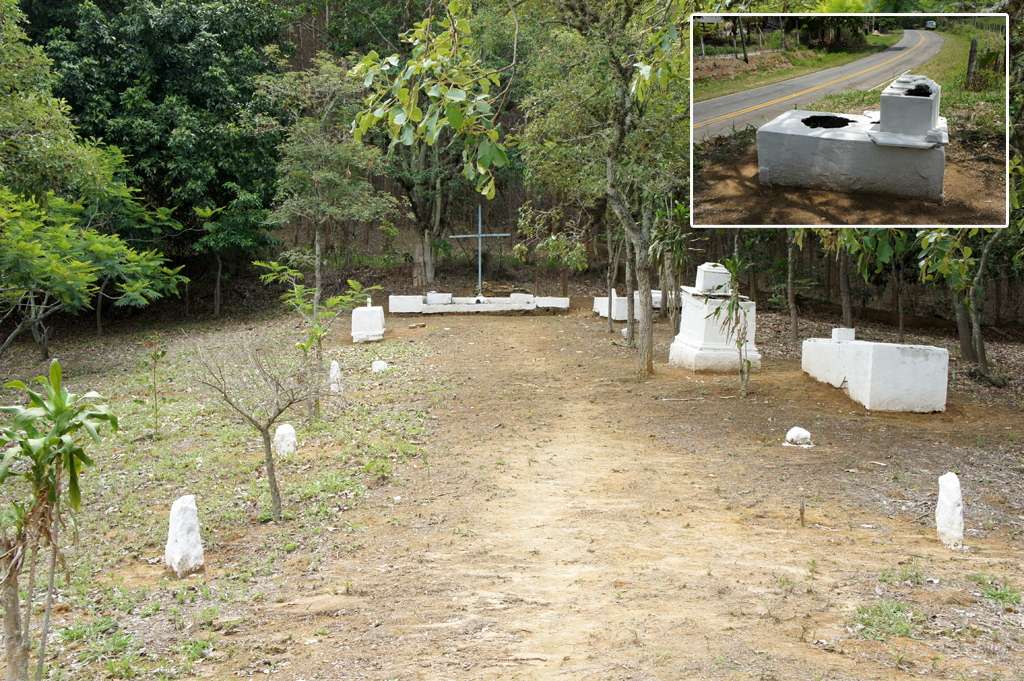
899, 151
880, 376
367, 323
434, 298
701, 345
446, 302
405, 304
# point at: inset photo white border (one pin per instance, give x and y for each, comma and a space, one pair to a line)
901, 167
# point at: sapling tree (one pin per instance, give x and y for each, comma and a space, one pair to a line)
260, 387
317, 314
734, 323
48, 453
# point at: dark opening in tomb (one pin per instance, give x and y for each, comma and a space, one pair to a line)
921, 90
826, 122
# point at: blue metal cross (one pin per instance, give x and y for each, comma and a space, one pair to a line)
479, 236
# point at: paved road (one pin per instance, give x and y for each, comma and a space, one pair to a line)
757, 107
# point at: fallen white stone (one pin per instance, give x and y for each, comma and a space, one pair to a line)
949, 512
335, 379
184, 552
799, 437
285, 441
378, 366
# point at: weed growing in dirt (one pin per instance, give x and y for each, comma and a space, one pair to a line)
886, 619
908, 574
1004, 593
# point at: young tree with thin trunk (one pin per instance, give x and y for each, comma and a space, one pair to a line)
259, 386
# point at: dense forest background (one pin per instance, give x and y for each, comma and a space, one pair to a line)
186, 139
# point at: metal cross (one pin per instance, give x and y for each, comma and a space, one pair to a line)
479, 236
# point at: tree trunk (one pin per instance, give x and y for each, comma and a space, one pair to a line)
613, 271
971, 59
565, 281
220, 270
99, 308
844, 289
963, 328
794, 324
663, 310
977, 303
318, 268
275, 494
630, 310
642, 267
743, 40
16, 653
752, 285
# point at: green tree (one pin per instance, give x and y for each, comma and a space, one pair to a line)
439, 102
171, 83
325, 173
607, 88
48, 454
52, 264
40, 150
231, 231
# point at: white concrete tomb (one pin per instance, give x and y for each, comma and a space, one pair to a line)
444, 303
285, 441
899, 151
184, 552
702, 344
367, 323
949, 512
880, 376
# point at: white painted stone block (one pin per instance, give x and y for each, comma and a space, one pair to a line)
553, 302
910, 114
521, 298
881, 376
285, 441
367, 324
798, 436
335, 377
405, 304
855, 158
184, 551
701, 344
379, 366
844, 334
713, 278
435, 298
949, 512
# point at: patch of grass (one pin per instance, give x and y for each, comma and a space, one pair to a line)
991, 589
802, 65
886, 619
722, 148
909, 573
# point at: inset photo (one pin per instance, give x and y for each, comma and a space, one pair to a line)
850, 119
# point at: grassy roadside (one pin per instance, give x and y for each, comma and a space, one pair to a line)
706, 88
976, 118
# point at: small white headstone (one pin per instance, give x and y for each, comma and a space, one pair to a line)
844, 334
184, 552
335, 379
285, 441
378, 366
949, 512
798, 436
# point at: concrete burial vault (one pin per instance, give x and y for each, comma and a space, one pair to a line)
881, 376
899, 151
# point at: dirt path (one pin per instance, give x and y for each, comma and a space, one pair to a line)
594, 528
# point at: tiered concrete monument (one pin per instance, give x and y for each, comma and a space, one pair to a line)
880, 376
899, 151
702, 345
367, 323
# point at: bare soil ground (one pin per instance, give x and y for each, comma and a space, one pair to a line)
728, 193
560, 520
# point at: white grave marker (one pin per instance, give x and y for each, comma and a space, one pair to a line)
949, 512
335, 379
285, 441
184, 552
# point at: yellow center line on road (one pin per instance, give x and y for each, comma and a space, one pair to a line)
838, 80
